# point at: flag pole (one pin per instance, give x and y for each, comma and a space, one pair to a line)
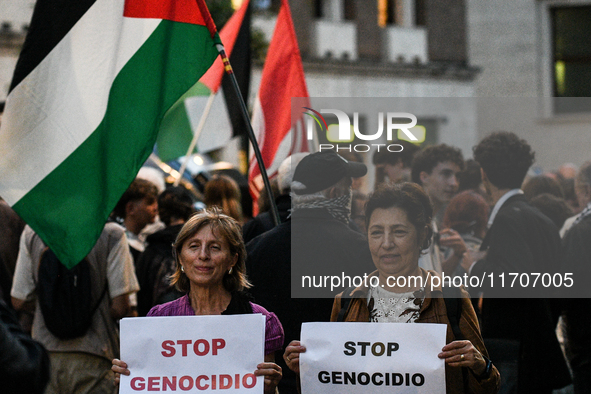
196, 135
228, 69
251, 136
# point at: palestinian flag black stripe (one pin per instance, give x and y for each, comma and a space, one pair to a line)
52, 20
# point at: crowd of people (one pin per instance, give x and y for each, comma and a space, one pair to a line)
430, 214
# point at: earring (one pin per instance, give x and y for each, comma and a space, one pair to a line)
182, 269
230, 271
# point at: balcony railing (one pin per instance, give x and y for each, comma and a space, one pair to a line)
337, 40
405, 44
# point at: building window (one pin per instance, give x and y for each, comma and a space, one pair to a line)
571, 46
318, 11
349, 10
426, 130
420, 13
386, 12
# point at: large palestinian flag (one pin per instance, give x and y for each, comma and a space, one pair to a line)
91, 86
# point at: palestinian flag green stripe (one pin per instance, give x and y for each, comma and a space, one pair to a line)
83, 189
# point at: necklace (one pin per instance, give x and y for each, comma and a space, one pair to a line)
391, 307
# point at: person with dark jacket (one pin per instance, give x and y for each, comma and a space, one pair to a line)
24, 363
577, 311
518, 326
315, 241
155, 265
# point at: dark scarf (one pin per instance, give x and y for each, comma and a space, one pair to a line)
584, 213
338, 207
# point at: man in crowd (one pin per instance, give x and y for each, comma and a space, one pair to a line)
156, 263
518, 331
436, 169
137, 208
577, 311
316, 241
82, 364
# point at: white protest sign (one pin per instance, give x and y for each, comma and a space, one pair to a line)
372, 358
193, 353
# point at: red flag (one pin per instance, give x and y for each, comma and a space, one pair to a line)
277, 134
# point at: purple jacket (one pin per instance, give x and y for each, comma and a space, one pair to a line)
182, 307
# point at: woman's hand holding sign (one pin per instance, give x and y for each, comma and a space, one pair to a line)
272, 373
455, 354
463, 354
119, 367
292, 355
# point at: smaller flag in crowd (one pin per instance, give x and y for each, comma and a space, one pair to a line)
180, 122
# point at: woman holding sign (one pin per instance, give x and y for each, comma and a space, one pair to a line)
398, 219
210, 257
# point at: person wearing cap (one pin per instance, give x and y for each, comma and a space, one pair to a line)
324, 244
315, 241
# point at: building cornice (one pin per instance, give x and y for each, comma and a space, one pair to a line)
433, 70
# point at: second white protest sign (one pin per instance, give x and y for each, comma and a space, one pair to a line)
372, 357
